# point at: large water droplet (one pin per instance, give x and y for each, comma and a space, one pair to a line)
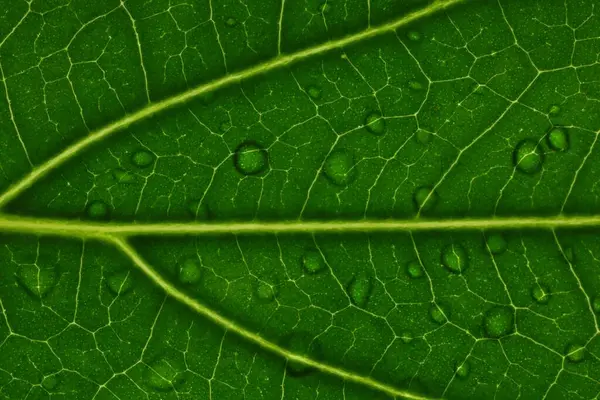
528, 156
575, 352
190, 271
375, 123
97, 209
120, 282
314, 92
499, 321
123, 176
463, 369
339, 168
455, 258
37, 281
554, 110
414, 36
425, 198
359, 289
415, 85
406, 337
558, 139
540, 293
163, 376
264, 291
414, 270
596, 304
250, 158
303, 344
142, 158
439, 313
496, 243
423, 136
50, 382
313, 262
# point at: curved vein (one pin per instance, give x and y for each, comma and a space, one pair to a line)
256, 339
155, 108
74, 228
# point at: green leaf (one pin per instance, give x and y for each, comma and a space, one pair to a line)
300, 199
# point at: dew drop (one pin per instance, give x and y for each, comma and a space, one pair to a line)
425, 198
198, 210
554, 110
496, 243
415, 85
142, 158
123, 176
50, 382
439, 313
463, 369
264, 292
162, 376
97, 209
596, 304
325, 7
528, 156
540, 293
575, 352
455, 258
225, 126
414, 270
314, 92
190, 271
250, 158
120, 282
375, 123
359, 289
313, 262
301, 343
406, 337
339, 168
231, 22
37, 281
569, 254
423, 137
499, 321
558, 139
414, 36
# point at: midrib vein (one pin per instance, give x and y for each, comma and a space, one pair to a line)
155, 108
75, 228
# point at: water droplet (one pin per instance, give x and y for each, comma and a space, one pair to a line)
163, 376
50, 382
415, 85
301, 343
97, 209
414, 270
406, 337
540, 293
569, 254
198, 210
359, 289
558, 139
425, 198
142, 158
375, 123
499, 321
250, 158
554, 110
596, 304
190, 271
463, 369
496, 243
325, 7
439, 313
123, 176
37, 281
575, 352
225, 126
120, 282
264, 291
231, 22
314, 92
339, 168
312, 261
455, 258
423, 137
528, 156
414, 36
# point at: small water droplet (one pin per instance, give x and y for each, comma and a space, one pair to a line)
558, 139
198, 210
554, 110
528, 156
264, 291
425, 198
414, 36
163, 376
406, 337
455, 258
415, 85
540, 293
36, 281
231, 22
50, 382
325, 7
463, 369
225, 126
423, 137
142, 158
439, 313
496, 243
314, 92
375, 123
575, 352
120, 282
339, 168
250, 158
569, 254
97, 209
190, 271
499, 321
301, 343
313, 262
123, 176
414, 270
359, 289
596, 304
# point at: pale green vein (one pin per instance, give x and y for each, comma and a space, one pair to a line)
74, 228
254, 338
155, 108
